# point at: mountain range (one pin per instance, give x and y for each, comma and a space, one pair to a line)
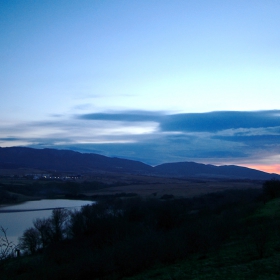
71, 161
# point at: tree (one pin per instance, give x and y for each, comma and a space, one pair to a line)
30, 241
43, 226
6, 247
58, 221
45, 231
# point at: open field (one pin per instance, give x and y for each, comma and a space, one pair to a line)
108, 184
158, 186
186, 188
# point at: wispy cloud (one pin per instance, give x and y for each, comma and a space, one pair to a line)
127, 116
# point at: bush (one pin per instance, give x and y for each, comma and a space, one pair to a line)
271, 189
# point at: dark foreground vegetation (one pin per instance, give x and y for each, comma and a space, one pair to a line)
156, 238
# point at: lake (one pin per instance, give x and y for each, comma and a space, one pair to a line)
17, 218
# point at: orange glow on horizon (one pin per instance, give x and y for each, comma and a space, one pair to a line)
266, 168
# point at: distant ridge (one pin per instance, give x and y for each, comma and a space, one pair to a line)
71, 161
199, 170
67, 161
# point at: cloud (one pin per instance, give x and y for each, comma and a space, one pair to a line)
218, 121
157, 137
211, 122
127, 116
215, 137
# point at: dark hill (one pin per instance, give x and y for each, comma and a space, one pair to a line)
70, 161
66, 161
199, 170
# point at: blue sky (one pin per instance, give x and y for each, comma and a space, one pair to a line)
155, 81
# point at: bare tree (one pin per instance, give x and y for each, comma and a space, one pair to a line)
30, 241
6, 247
58, 220
43, 226
45, 231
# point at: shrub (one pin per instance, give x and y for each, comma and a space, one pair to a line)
271, 189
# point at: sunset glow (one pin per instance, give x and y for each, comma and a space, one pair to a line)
266, 168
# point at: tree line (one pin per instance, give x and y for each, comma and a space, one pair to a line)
124, 236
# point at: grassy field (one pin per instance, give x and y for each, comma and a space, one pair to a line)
270, 209
227, 264
110, 184
237, 259
178, 188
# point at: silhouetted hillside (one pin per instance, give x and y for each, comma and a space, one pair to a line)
66, 161
70, 161
192, 169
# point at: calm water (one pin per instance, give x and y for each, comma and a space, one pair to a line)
17, 218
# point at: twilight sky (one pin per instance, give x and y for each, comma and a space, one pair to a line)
151, 80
